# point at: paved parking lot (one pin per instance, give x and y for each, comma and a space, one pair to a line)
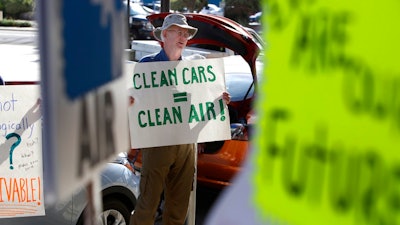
19, 59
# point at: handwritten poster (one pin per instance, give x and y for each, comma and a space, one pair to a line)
328, 119
177, 102
329, 132
21, 166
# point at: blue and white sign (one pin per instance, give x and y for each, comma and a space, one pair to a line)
92, 32
84, 93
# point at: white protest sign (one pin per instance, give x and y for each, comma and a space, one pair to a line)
178, 102
21, 165
88, 133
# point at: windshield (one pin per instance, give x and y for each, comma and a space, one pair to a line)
137, 9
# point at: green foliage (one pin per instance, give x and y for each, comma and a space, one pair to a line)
237, 10
14, 23
189, 5
240, 10
14, 8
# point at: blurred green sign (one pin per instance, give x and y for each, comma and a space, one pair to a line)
328, 141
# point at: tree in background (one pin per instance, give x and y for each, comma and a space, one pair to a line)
237, 10
188, 5
240, 10
16, 8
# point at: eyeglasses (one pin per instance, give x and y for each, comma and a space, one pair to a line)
181, 33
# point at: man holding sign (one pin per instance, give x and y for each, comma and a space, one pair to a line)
169, 169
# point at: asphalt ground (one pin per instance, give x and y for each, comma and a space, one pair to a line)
19, 62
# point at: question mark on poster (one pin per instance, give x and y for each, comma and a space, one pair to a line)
13, 146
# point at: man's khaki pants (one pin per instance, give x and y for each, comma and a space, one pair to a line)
169, 169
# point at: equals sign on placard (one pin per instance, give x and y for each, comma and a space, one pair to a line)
180, 97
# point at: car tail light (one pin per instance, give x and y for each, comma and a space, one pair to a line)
21, 82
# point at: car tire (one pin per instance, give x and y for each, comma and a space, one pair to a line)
114, 212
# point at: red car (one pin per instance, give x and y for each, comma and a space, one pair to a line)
223, 159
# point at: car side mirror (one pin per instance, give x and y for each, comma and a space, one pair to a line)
239, 132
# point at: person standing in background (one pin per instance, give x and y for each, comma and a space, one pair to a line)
167, 169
